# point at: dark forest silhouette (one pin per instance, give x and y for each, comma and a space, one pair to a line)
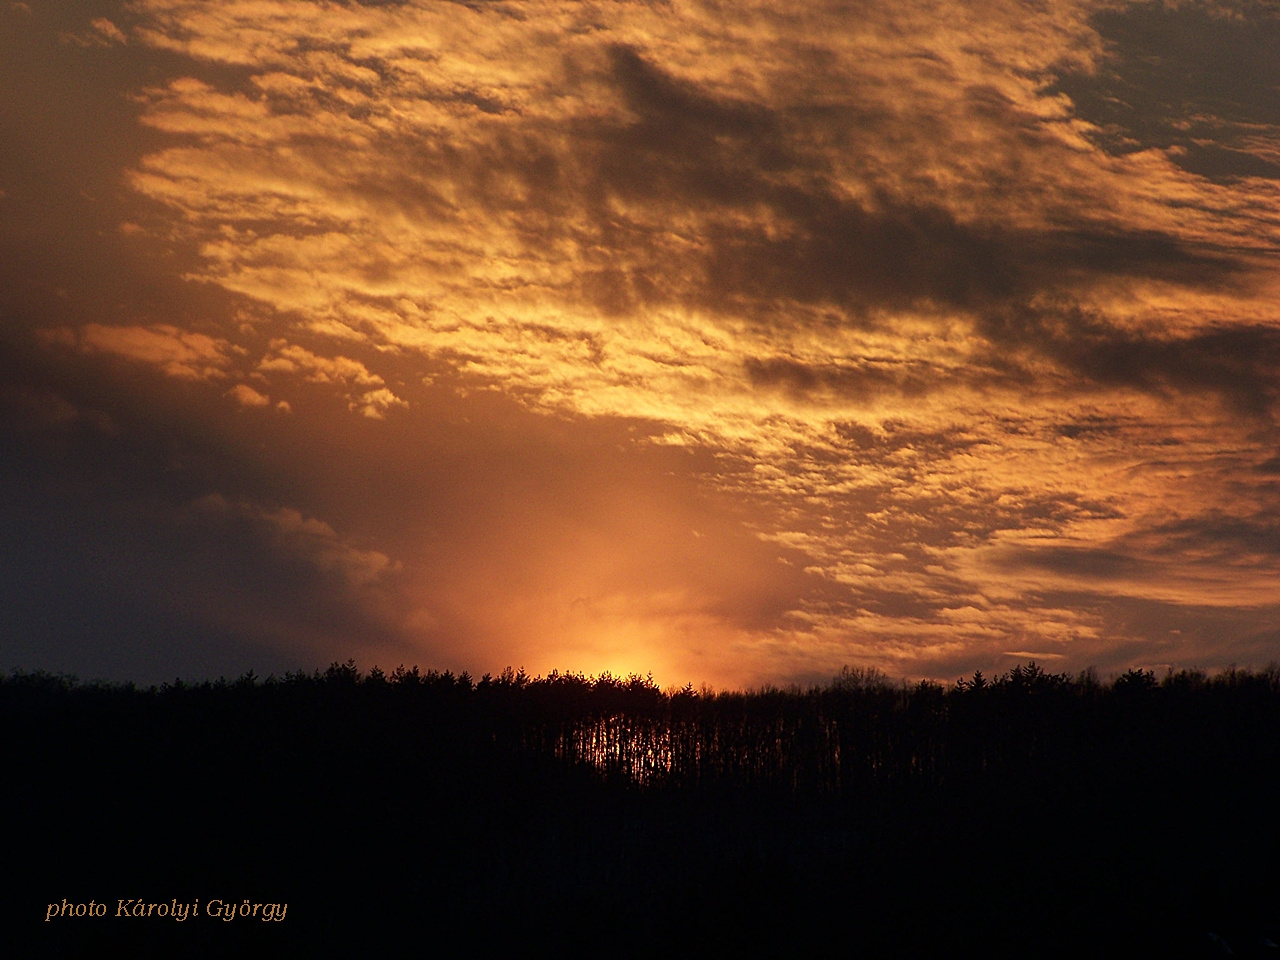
1033, 812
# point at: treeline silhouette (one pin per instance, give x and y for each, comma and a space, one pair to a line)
1040, 813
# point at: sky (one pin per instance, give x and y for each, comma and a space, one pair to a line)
734, 342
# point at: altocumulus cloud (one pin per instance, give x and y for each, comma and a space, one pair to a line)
968, 303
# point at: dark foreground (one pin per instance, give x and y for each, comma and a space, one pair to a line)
1038, 816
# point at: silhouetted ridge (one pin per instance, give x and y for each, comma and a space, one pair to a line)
891, 818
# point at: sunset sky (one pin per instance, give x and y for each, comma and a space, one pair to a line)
731, 341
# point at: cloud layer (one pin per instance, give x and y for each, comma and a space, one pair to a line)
957, 318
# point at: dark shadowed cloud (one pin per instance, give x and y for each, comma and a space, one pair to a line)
1195, 80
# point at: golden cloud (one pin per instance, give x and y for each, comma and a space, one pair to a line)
880, 265
181, 354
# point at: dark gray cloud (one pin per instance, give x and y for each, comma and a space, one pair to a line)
1240, 364
113, 569
1219, 537
687, 149
1196, 77
864, 381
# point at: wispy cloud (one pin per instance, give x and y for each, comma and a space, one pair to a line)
293, 535
177, 353
968, 305
897, 222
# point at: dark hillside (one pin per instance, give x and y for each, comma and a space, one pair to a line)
1034, 815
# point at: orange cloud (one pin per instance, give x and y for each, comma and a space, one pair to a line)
368, 394
177, 353
246, 396
977, 327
